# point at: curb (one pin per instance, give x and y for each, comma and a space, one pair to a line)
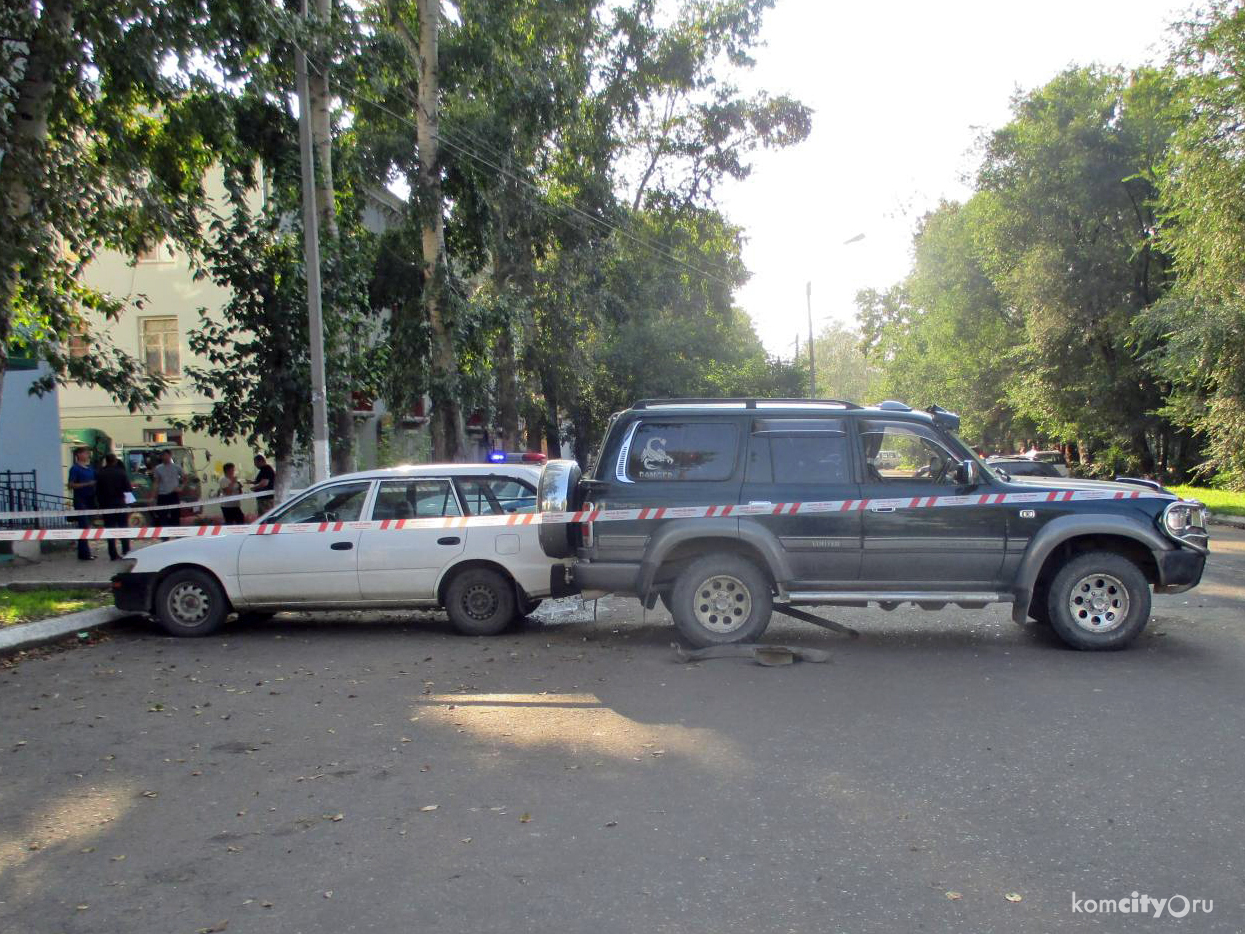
1234, 522
21, 586
28, 635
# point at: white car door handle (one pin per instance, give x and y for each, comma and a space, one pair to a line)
882, 508
759, 502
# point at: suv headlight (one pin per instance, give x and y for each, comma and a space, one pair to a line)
1185, 518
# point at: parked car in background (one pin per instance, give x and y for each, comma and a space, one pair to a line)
484, 577
1023, 467
1054, 458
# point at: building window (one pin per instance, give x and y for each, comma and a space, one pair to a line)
160, 349
77, 341
161, 436
158, 252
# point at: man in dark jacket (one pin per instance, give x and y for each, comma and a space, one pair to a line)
111, 485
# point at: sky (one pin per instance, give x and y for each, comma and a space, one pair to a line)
901, 91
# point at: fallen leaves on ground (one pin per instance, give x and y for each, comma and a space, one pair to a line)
1013, 896
954, 896
429, 807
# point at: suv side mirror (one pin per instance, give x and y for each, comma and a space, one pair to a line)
967, 473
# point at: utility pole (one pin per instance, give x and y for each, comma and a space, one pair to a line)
812, 364
311, 258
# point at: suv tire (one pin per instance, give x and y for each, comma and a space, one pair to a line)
1100, 600
480, 602
720, 599
190, 602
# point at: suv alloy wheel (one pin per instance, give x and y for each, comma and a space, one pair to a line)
1100, 600
720, 599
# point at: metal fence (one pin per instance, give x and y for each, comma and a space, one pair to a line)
19, 492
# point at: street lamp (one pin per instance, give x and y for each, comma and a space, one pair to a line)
808, 297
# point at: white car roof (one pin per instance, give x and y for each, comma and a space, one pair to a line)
529, 472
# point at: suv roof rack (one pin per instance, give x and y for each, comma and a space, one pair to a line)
747, 403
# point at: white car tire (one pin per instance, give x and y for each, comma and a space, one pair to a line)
480, 602
190, 602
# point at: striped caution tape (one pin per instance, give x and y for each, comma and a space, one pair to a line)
584, 515
74, 513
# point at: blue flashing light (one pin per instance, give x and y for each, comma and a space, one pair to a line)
497, 457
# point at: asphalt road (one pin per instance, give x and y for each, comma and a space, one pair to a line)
346, 775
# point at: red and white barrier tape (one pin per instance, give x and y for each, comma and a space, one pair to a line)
74, 513
583, 515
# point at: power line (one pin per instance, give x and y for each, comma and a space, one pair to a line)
600, 222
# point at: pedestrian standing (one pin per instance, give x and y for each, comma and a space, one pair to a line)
111, 487
264, 484
82, 483
169, 482
230, 485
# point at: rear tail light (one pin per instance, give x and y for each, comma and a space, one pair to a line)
585, 530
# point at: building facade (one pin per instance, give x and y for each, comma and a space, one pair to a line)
173, 303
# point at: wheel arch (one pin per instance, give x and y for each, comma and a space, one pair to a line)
1066, 538
164, 573
468, 564
671, 556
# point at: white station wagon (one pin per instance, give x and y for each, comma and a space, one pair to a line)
484, 576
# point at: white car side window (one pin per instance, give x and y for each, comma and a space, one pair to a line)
415, 499
341, 502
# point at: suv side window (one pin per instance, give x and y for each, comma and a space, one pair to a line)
681, 451
798, 451
904, 452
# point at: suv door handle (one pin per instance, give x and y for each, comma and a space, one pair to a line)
881, 508
759, 502
449, 540
342, 546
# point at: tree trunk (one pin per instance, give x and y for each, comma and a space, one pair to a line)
341, 439
341, 422
24, 165
507, 391
1141, 448
283, 464
447, 418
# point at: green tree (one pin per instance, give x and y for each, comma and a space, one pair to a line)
1021, 305
1067, 200
844, 371
103, 147
1200, 328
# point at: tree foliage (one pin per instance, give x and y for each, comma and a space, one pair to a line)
1022, 303
1198, 331
103, 146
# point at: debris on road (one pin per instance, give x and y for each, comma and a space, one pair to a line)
770, 656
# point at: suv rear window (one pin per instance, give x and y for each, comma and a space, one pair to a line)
682, 451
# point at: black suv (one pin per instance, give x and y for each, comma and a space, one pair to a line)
833, 503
